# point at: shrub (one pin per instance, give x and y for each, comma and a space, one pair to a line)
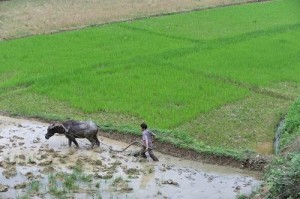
293, 118
292, 125
283, 177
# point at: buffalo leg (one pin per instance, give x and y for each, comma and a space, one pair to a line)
92, 140
97, 141
70, 142
74, 141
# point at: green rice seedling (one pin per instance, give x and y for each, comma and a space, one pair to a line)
70, 183
54, 188
26, 196
197, 65
120, 185
86, 178
98, 196
77, 169
117, 180
34, 187
150, 170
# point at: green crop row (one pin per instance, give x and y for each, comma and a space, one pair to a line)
167, 71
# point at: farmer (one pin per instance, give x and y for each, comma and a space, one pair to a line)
147, 138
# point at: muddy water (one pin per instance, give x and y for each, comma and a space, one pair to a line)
27, 156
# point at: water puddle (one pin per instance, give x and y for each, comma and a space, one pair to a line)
27, 159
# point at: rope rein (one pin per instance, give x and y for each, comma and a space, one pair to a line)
134, 142
66, 130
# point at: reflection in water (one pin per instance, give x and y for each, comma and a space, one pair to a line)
23, 146
147, 176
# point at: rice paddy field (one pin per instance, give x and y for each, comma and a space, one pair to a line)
209, 79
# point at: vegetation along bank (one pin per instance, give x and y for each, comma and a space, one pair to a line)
216, 82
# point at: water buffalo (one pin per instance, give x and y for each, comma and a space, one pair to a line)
75, 129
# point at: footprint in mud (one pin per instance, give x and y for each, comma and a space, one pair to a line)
48, 169
17, 138
4, 188
116, 175
36, 140
10, 172
29, 175
21, 143
131, 171
120, 185
189, 176
171, 182
20, 186
21, 157
45, 162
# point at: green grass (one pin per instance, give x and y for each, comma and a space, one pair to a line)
291, 128
284, 172
61, 183
168, 71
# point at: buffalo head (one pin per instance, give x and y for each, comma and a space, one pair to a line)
55, 128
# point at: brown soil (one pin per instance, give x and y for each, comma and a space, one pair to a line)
107, 173
250, 162
257, 163
23, 18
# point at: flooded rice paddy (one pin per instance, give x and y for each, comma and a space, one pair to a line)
33, 167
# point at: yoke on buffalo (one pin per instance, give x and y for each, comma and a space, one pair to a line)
75, 129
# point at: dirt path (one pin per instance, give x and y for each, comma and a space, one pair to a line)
27, 159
